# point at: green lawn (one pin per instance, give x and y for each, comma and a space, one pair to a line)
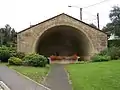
3, 64
95, 76
35, 73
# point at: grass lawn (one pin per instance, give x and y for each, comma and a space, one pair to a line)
95, 76
3, 64
35, 73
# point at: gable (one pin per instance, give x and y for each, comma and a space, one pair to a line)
63, 16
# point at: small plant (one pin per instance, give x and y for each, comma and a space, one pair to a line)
35, 60
14, 61
100, 58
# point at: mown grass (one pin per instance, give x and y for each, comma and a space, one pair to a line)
3, 64
35, 73
95, 76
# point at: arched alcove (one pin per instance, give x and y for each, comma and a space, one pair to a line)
64, 41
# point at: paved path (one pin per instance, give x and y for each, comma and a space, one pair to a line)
57, 78
17, 82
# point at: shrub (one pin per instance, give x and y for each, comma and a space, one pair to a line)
115, 43
35, 60
4, 53
104, 52
100, 58
114, 52
14, 61
20, 55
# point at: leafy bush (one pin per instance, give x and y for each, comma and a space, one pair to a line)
35, 60
115, 43
12, 51
20, 55
104, 52
114, 52
14, 61
4, 53
100, 58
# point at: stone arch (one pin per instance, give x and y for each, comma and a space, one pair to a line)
30, 39
77, 42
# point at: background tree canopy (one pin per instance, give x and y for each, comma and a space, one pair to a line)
114, 26
7, 36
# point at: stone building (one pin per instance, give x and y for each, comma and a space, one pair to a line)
63, 35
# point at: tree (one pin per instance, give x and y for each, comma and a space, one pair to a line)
114, 26
2, 36
7, 35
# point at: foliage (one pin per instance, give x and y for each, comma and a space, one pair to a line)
8, 36
35, 60
100, 58
4, 53
14, 61
104, 52
115, 43
20, 55
114, 52
114, 26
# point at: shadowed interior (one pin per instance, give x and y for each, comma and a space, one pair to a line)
63, 41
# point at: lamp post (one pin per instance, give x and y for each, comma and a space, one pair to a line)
80, 11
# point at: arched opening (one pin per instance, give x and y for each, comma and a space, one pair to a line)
63, 41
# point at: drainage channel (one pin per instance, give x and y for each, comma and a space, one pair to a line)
3, 86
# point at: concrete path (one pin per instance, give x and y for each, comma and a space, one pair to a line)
16, 82
57, 78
